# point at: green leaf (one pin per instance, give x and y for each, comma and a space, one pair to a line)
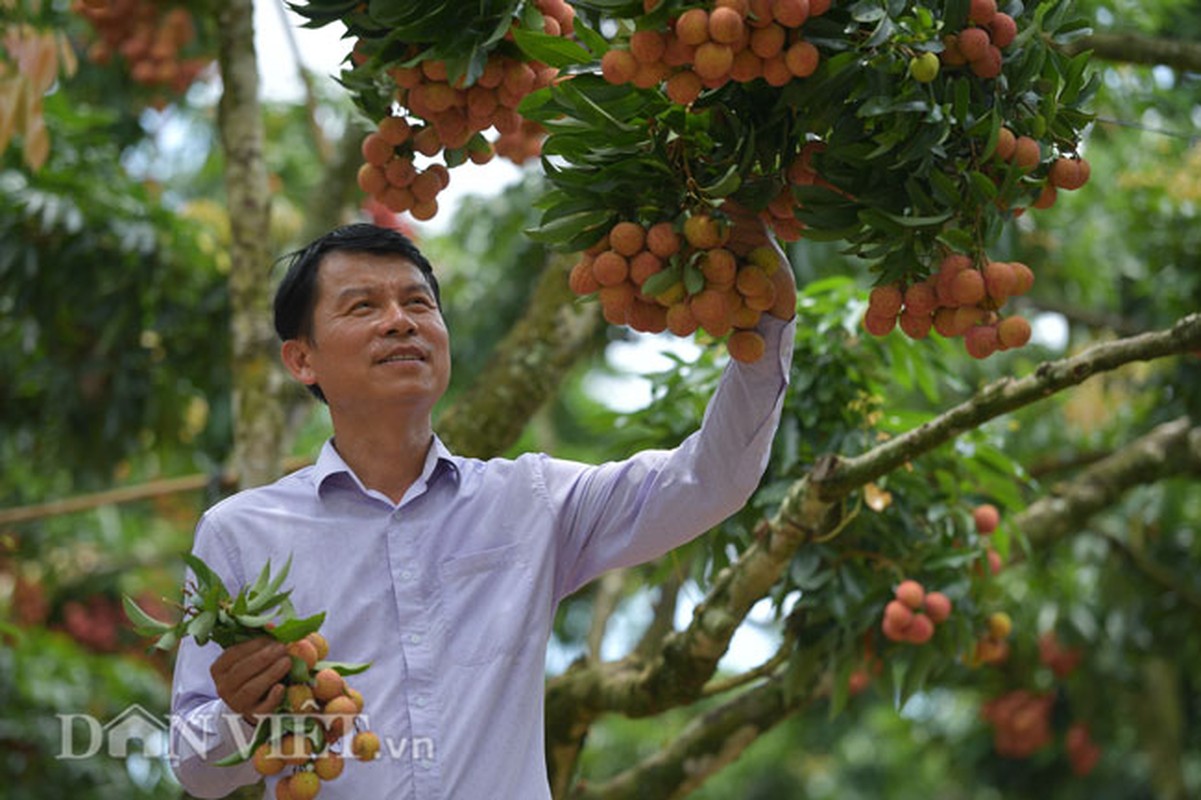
586, 109
564, 228
263, 579
661, 281
555, 51
983, 187
143, 623
598, 44
262, 733
167, 641
919, 670
343, 668
205, 577
278, 580
201, 626
296, 629
254, 620
724, 186
694, 279
266, 601
918, 222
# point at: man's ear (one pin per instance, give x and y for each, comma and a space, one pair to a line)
295, 355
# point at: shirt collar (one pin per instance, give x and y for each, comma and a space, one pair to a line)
438, 461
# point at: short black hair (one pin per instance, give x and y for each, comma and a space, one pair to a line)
296, 295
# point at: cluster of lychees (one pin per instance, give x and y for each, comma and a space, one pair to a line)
1061, 659
979, 45
1021, 722
961, 299
993, 645
1065, 172
913, 613
318, 710
148, 36
704, 48
450, 114
1083, 752
780, 212
638, 274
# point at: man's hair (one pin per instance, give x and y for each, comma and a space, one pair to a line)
296, 295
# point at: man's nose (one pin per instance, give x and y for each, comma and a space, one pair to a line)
397, 320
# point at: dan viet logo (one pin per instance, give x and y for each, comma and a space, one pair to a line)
83, 736
138, 731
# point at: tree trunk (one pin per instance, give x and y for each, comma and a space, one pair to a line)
525, 370
258, 419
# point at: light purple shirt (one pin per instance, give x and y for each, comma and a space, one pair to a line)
451, 593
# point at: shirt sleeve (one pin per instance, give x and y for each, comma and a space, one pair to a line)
204, 729
632, 511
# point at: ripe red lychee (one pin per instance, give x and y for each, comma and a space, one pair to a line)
938, 606
911, 593
987, 518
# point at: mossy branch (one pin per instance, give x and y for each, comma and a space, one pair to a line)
708, 744
1003, 396
525, 369
1169, 450
1134, 48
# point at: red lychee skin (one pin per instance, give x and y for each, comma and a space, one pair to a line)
911, 593
898, 614
938, 607
1003, 29
920, 630
986, 518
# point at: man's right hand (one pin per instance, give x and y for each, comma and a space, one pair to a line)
249, 676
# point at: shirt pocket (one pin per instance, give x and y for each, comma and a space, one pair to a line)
485, 600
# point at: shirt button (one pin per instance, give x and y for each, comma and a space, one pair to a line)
405, 575
415, 638
419, 701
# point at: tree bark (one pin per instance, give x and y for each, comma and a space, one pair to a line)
1169, 450
258, 418
707, 745
525, 370
1005, 395
1134, 48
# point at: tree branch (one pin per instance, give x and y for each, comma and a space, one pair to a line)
604, 603
1155, 572
1135, 48
1169, 450
663, 622
709, 743
1005, 395
721, 686
526, 368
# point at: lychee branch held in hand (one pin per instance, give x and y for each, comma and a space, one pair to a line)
303, 707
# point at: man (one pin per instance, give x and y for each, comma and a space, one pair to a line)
443, 572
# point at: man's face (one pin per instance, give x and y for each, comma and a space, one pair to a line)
377, 335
